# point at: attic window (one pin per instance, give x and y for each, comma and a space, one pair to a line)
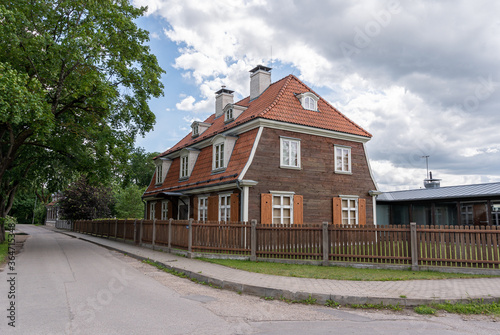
308, 100
228, 115
195, 130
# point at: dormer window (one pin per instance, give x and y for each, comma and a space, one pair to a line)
159, 174
308, 101
228, 115
184, 167
198, 128
222, 148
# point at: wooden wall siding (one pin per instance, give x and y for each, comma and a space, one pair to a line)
316, 181
221, 237
441, 246
290, 241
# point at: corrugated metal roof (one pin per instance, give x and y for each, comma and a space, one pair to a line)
463, 191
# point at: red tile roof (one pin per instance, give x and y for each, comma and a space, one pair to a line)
278, 102
201, 175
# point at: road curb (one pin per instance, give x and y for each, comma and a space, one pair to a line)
288, 295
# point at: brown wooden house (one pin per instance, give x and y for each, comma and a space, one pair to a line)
281, 155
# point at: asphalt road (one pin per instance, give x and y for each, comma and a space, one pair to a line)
63, 285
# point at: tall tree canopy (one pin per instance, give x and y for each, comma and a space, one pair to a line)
75, 79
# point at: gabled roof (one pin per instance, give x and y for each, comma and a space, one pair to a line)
279, 102
201, 175
449, 192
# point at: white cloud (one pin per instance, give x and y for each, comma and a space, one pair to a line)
423, 78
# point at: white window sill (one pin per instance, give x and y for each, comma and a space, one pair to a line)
219, 170
290, 167
183, 178
342, 172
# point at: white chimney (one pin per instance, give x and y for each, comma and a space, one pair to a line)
260, 79
224, 97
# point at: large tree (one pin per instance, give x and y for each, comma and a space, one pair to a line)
75, 79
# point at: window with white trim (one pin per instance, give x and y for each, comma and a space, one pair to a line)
202, 208
164, 210
195, 130
343, 159
224, 207
289, 153
159, 173
310, 103
228, 115
152, 210
219, 156
349, 211
283, 208
184, 167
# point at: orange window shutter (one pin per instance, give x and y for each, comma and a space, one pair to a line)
266, 208
235, 208
337, 210
195, 208
213, 208
298, 209
362, 211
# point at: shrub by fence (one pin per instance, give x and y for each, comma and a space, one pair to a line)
404, 245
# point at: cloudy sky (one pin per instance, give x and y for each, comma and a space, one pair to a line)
423, 77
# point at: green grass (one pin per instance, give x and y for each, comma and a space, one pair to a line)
473, 307
335, 272
4, 247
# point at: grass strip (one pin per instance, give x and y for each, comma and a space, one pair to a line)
336, 272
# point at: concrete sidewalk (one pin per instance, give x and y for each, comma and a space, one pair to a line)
414, 292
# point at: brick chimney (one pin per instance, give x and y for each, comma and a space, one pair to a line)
224, 97
260, 79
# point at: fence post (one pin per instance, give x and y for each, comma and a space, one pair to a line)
253, 240
116, 229
170, 234
154, 233
140, 232
135, 231
326, 246
414, 246
190, 239
124, 230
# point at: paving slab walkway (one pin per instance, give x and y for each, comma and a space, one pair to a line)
414, 292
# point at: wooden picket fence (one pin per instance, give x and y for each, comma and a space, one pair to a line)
405, 245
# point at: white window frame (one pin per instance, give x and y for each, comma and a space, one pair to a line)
152, 210
228, 115
281, 207
342, 158
196, 130
159, 173
184, 166
218, 156
310, 104
289, 155
225, 209
349, 209
202, 208
164, 210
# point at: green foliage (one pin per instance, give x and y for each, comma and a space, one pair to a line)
75, 79
425, 310
471, 307
140, 168
331, 303
85, 201
380, 305
25, 206
128, 202
7, 223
